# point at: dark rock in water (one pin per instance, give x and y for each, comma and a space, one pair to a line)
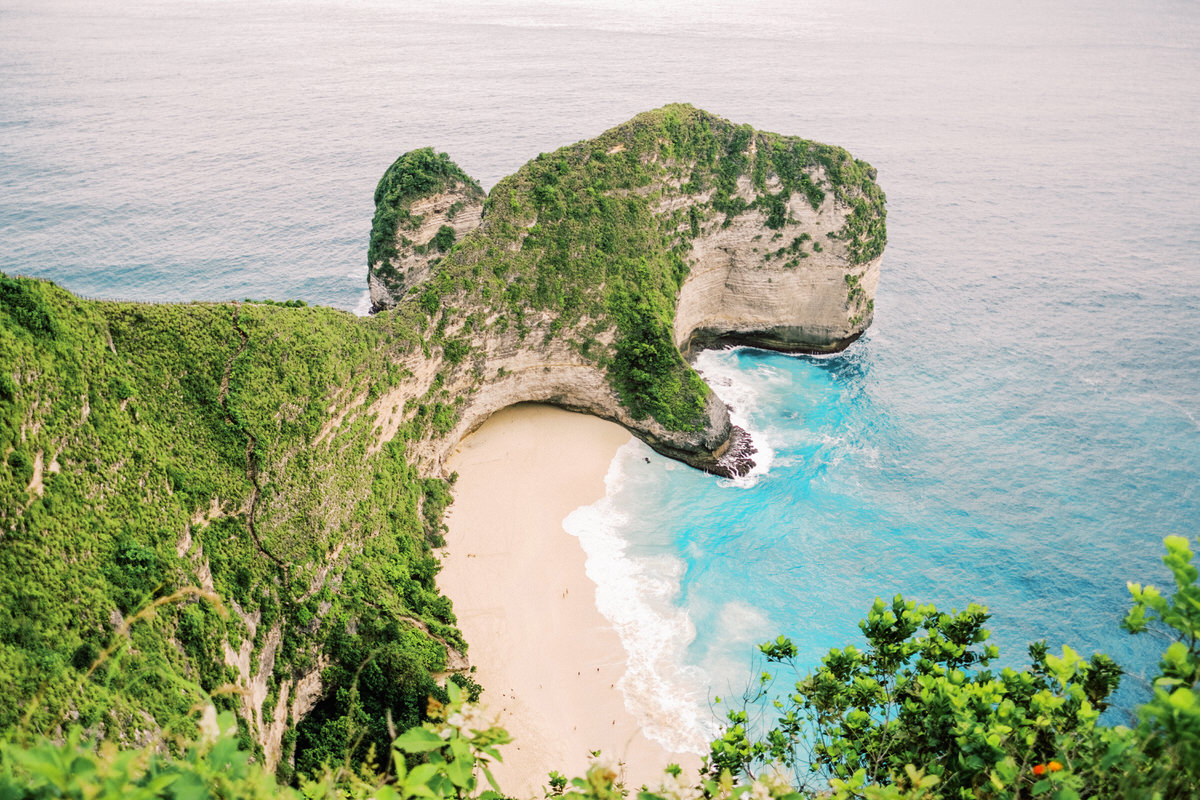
737, 460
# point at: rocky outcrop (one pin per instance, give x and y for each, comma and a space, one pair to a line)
419, 248
793, 290
424, 204
588, 276
556, 375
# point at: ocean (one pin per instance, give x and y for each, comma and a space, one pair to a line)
1021, 425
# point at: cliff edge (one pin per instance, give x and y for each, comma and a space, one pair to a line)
587, 278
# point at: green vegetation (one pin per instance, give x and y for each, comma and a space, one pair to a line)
284, 303
856, 298
150, 448
199, 497
197, 500
443, 240
575, 246
416, 174
915, 716
918, 714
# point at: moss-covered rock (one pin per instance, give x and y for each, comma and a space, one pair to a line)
596, 269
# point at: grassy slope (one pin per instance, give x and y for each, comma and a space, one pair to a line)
155, 415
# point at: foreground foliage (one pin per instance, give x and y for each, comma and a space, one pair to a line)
916, 713
914, 716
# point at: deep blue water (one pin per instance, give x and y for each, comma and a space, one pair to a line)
1021, 425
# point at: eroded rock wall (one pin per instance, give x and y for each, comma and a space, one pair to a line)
460, 208
507, 370
791, 289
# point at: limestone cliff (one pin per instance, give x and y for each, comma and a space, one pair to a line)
802, 292
586, 278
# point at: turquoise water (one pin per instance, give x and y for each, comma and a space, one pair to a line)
1021, 425
1008, 496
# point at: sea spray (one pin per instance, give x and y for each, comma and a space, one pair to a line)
639, 578
362, 307
719, 368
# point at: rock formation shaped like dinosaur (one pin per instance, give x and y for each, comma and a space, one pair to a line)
585, 279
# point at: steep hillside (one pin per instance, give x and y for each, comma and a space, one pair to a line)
232, 453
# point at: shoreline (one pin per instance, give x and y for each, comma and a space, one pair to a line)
548, 660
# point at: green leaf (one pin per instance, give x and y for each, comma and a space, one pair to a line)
419, 740
190, 786
487, 773
417, 783
1006, 770
83, 768
459, 771
1183, 699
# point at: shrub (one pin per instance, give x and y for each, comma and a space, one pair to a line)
135, 574
24, 301
455, 350
443, 240
21, 466
917, 711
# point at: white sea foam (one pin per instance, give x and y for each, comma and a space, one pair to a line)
636, 594
739, 627
363, 307
742, 391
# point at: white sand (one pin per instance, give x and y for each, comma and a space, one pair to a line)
548, 660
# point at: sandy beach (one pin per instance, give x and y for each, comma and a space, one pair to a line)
548, 659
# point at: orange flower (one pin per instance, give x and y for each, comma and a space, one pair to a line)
1039, 769
1054, 766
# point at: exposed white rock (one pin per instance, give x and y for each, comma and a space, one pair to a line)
737, 291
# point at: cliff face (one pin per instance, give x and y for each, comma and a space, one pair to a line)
587, 278
196, 495
793, 290
507, 370
458, 209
